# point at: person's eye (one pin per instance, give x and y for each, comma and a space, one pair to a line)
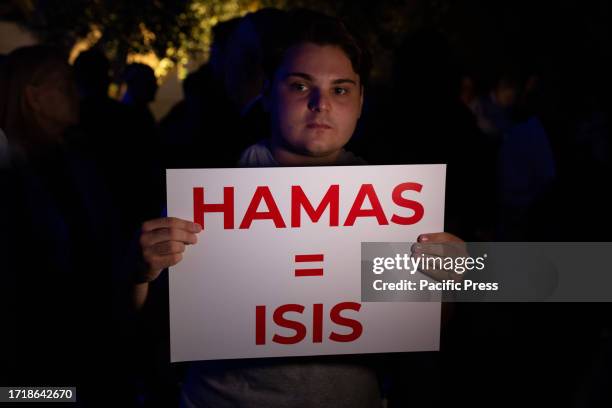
340, 91
298, 86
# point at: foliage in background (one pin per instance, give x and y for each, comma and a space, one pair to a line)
177, 31
171, 31
483, 32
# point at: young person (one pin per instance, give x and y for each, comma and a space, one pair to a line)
314, 93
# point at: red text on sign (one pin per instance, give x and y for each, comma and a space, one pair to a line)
280, 319
299, 202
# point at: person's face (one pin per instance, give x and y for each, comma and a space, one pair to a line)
55, 101
314, 100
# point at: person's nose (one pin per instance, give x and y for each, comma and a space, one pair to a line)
319, 102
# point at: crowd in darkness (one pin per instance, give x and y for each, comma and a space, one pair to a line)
81, 172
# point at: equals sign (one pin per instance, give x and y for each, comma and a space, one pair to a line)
308, 271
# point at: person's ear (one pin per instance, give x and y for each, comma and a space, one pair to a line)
362, 90
266, 95
32, 98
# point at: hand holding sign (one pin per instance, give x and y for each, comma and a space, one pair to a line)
163, 242
440, 245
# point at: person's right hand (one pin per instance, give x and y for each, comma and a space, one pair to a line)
163, 242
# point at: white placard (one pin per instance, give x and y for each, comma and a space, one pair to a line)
226, 291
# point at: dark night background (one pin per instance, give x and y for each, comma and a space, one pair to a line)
532, 169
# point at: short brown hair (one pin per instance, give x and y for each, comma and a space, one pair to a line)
303, 26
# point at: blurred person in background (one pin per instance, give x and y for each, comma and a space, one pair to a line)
67, 291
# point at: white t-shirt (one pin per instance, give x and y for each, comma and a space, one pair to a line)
260, 155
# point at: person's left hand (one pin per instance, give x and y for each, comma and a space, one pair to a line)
442, 245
